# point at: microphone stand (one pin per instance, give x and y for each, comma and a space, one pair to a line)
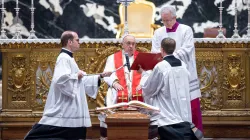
112, 71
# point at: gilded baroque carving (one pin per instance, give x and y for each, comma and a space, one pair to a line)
235, 45
209, 45
234, 79
19, 80
209, 67
42, 67
30, 72
43, 81
220, 45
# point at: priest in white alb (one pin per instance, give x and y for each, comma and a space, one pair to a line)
66, 113
167, 87
185, 50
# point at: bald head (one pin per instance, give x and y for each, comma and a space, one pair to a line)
70, 40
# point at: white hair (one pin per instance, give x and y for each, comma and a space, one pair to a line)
124, 36
167, 9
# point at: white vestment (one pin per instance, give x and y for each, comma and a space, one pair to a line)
111, 97
185, 51
66, 104
167, 88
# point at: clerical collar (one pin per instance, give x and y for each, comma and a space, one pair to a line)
174, 62
174, 28
168, 55
64, 50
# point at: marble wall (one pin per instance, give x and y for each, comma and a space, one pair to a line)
98, 18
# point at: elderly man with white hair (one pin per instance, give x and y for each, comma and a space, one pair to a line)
124, 86
185, 50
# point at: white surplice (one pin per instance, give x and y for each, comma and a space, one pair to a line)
167, 88
111, 97
66, 104
185, 51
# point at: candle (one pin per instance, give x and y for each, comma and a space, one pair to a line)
32, 3
16, 3
220, 3
2, 2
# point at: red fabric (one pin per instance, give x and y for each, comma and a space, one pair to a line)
196, 113
123, 95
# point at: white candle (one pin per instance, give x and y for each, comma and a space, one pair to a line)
2, 2
16, 3
32, 3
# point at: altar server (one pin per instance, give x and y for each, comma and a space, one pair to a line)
167, 87
185, 51
66, 114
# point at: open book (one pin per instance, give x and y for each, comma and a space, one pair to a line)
135, 104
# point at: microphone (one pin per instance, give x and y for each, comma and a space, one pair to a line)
127, 61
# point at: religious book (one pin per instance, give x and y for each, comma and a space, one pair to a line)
147, 61
134, 103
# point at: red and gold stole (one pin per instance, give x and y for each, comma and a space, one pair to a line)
123, 95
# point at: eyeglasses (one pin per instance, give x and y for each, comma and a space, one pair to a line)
166, 21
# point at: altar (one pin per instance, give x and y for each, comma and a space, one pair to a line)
223, 67
126, 124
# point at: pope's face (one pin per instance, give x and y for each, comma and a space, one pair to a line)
128, 45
